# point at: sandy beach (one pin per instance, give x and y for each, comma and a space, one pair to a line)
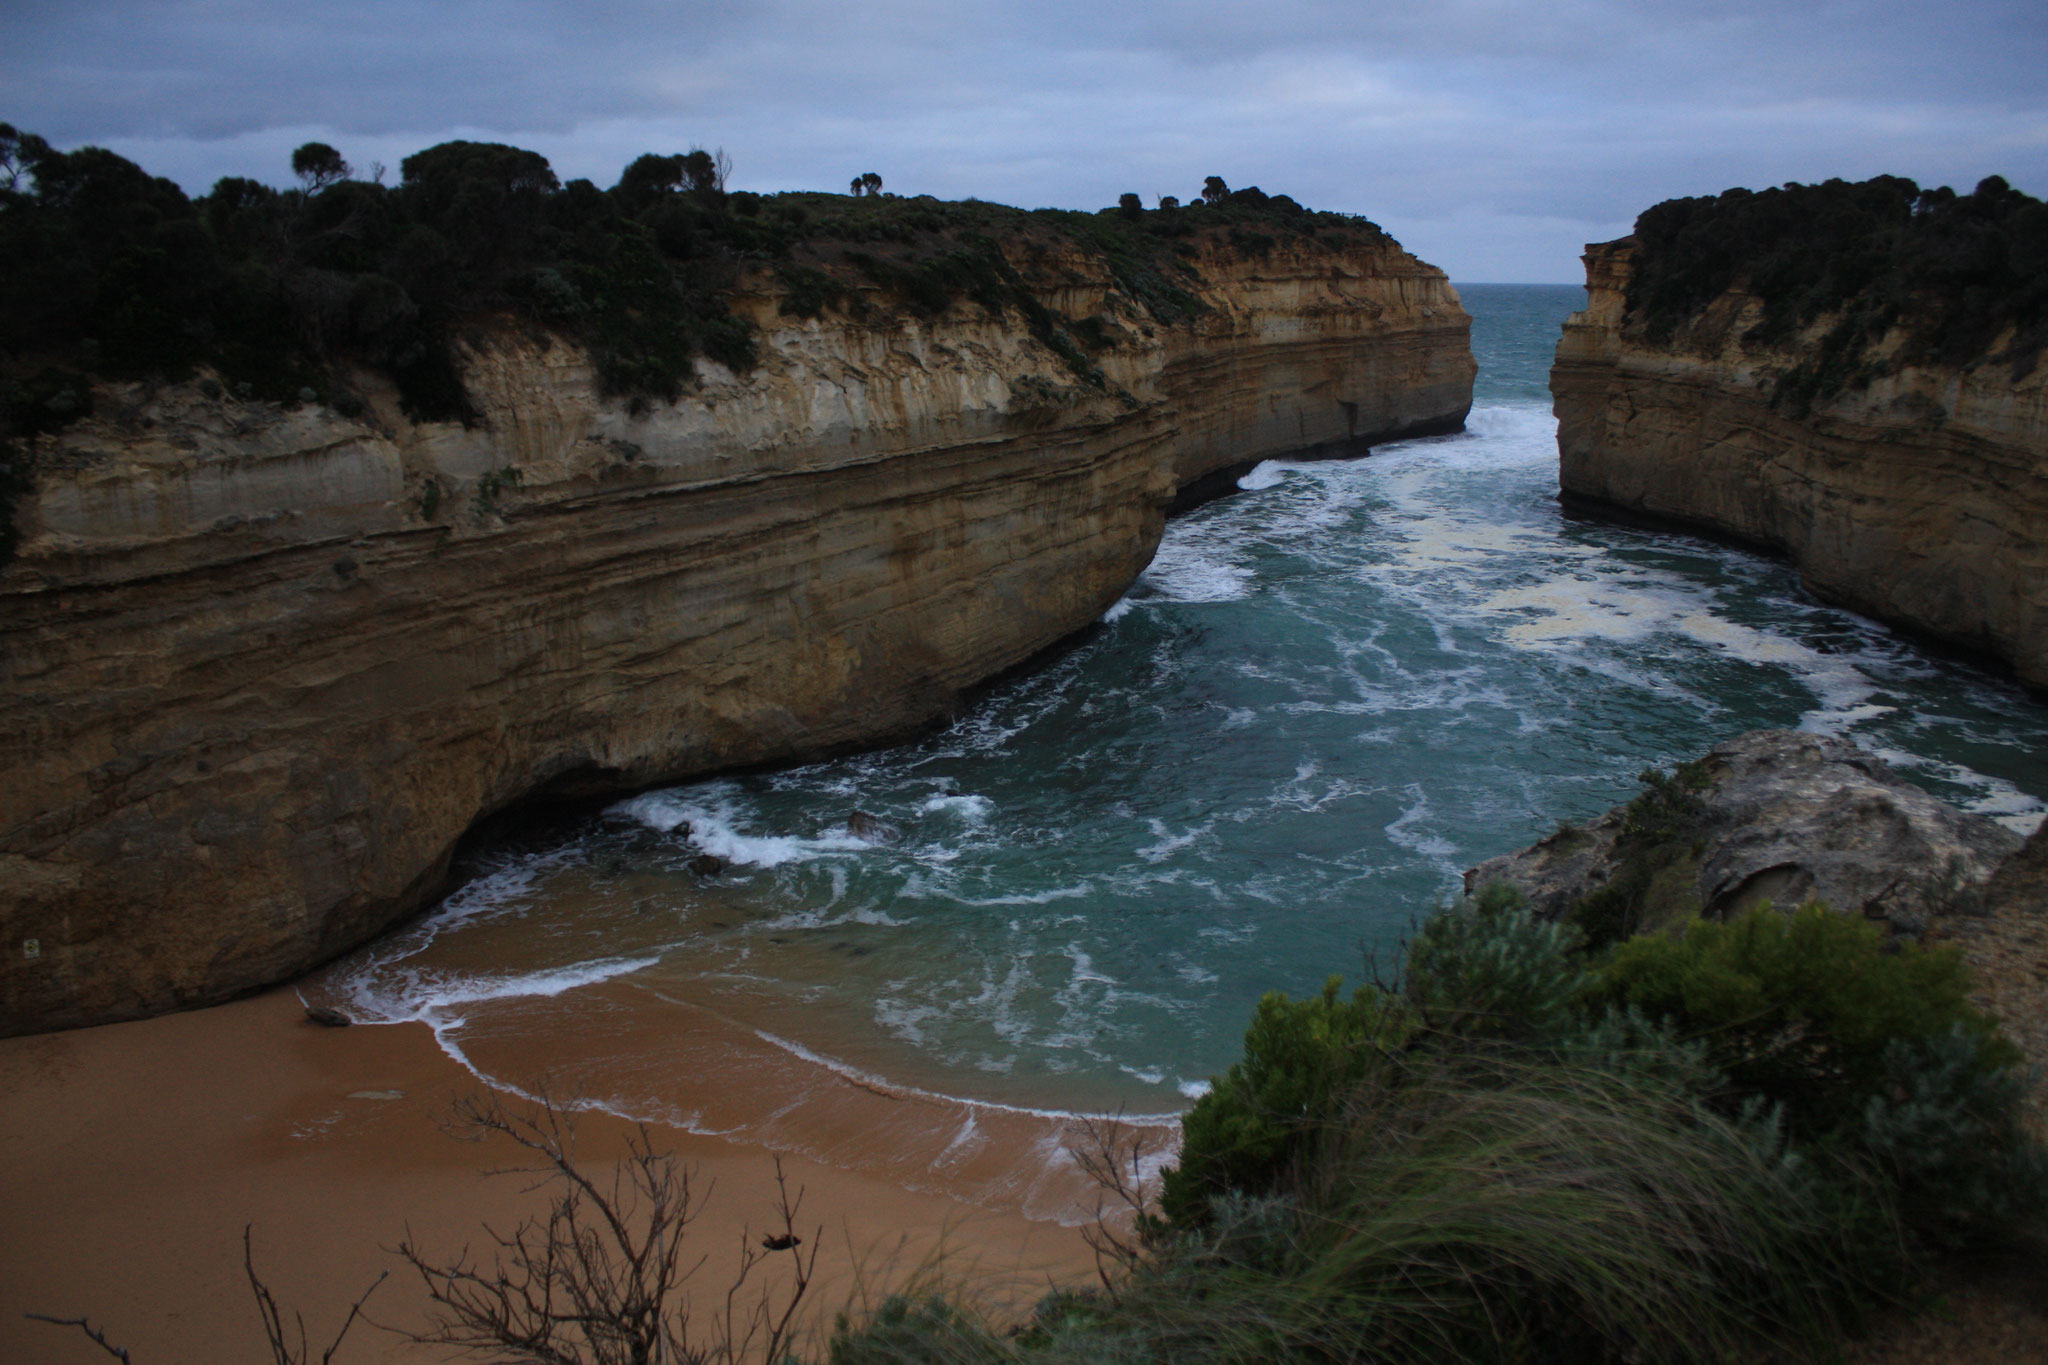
132, 1155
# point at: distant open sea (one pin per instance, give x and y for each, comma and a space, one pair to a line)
1326, 697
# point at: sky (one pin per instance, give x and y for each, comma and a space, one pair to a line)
1492, 138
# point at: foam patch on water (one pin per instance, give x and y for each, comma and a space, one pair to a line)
1982, 794
716, 822
1170, 843
971, 808
1193, 568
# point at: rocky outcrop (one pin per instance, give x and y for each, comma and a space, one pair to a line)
1920, 499
262, 667
1785, 817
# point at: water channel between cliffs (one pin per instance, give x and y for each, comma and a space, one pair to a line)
1325, 698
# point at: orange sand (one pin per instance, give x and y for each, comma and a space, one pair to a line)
132, 1155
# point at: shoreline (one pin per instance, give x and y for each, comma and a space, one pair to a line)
135, 1153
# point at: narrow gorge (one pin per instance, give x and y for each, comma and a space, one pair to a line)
265, 663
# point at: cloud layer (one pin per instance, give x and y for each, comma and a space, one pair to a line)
1492, 137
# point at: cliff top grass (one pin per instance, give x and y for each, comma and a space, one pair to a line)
109, 272
1959, 279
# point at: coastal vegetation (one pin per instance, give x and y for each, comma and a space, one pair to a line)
1700, 1145
1949, 278
108, 271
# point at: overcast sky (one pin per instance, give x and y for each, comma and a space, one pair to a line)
1492, 138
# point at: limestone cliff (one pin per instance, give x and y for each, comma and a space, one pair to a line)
263, 666
1920, 497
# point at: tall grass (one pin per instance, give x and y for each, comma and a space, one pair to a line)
1501, 1161
1482, 1210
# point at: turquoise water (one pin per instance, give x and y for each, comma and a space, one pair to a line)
1328, 696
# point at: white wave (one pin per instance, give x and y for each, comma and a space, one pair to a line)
1169, 842
409, 996
969, 807
1057, 893
1403, 831
1190, 569
1194, 1090
715, 819
897, 1088
1266, 474
1993, 797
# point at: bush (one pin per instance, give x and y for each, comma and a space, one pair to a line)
1302, 1058
1534, 1155
1800, 1010
1947, 1130
1656, 856
1495, 971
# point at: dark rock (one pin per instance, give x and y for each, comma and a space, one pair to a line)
328, 1016
1790, 817
872, 828
708, 864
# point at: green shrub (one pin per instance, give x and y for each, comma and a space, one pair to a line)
1493, 970
1302, 1058
1533, 1157
1948, 1132
1799, 1009
1655, 860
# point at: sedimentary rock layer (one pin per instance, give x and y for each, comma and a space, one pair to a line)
260, 668
1921, 499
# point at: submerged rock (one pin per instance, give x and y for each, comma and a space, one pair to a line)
708, 864
872, 828
1774, 815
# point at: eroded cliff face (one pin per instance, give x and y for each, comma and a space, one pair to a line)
1921, 499
263, 667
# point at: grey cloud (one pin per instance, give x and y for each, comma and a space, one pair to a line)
1551, 119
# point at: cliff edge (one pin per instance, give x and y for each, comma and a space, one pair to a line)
263, 663
1871, 407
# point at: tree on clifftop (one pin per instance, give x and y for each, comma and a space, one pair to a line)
318, 165
1214, 191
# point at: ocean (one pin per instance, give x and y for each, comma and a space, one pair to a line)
1328, 695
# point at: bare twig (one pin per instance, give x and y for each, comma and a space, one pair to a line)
281, 1351
599, 1278
1111, 1153
119, 1353
762, 1317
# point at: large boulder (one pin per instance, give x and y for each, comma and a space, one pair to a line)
1773, 815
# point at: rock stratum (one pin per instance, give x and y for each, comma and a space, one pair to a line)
1919, 497
264, 665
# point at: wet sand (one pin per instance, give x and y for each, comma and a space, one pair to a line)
132, 1155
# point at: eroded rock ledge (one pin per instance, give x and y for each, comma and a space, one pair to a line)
1920, 499
1785, 817
263, 667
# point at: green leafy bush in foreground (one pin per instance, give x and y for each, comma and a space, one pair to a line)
1696, 1148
